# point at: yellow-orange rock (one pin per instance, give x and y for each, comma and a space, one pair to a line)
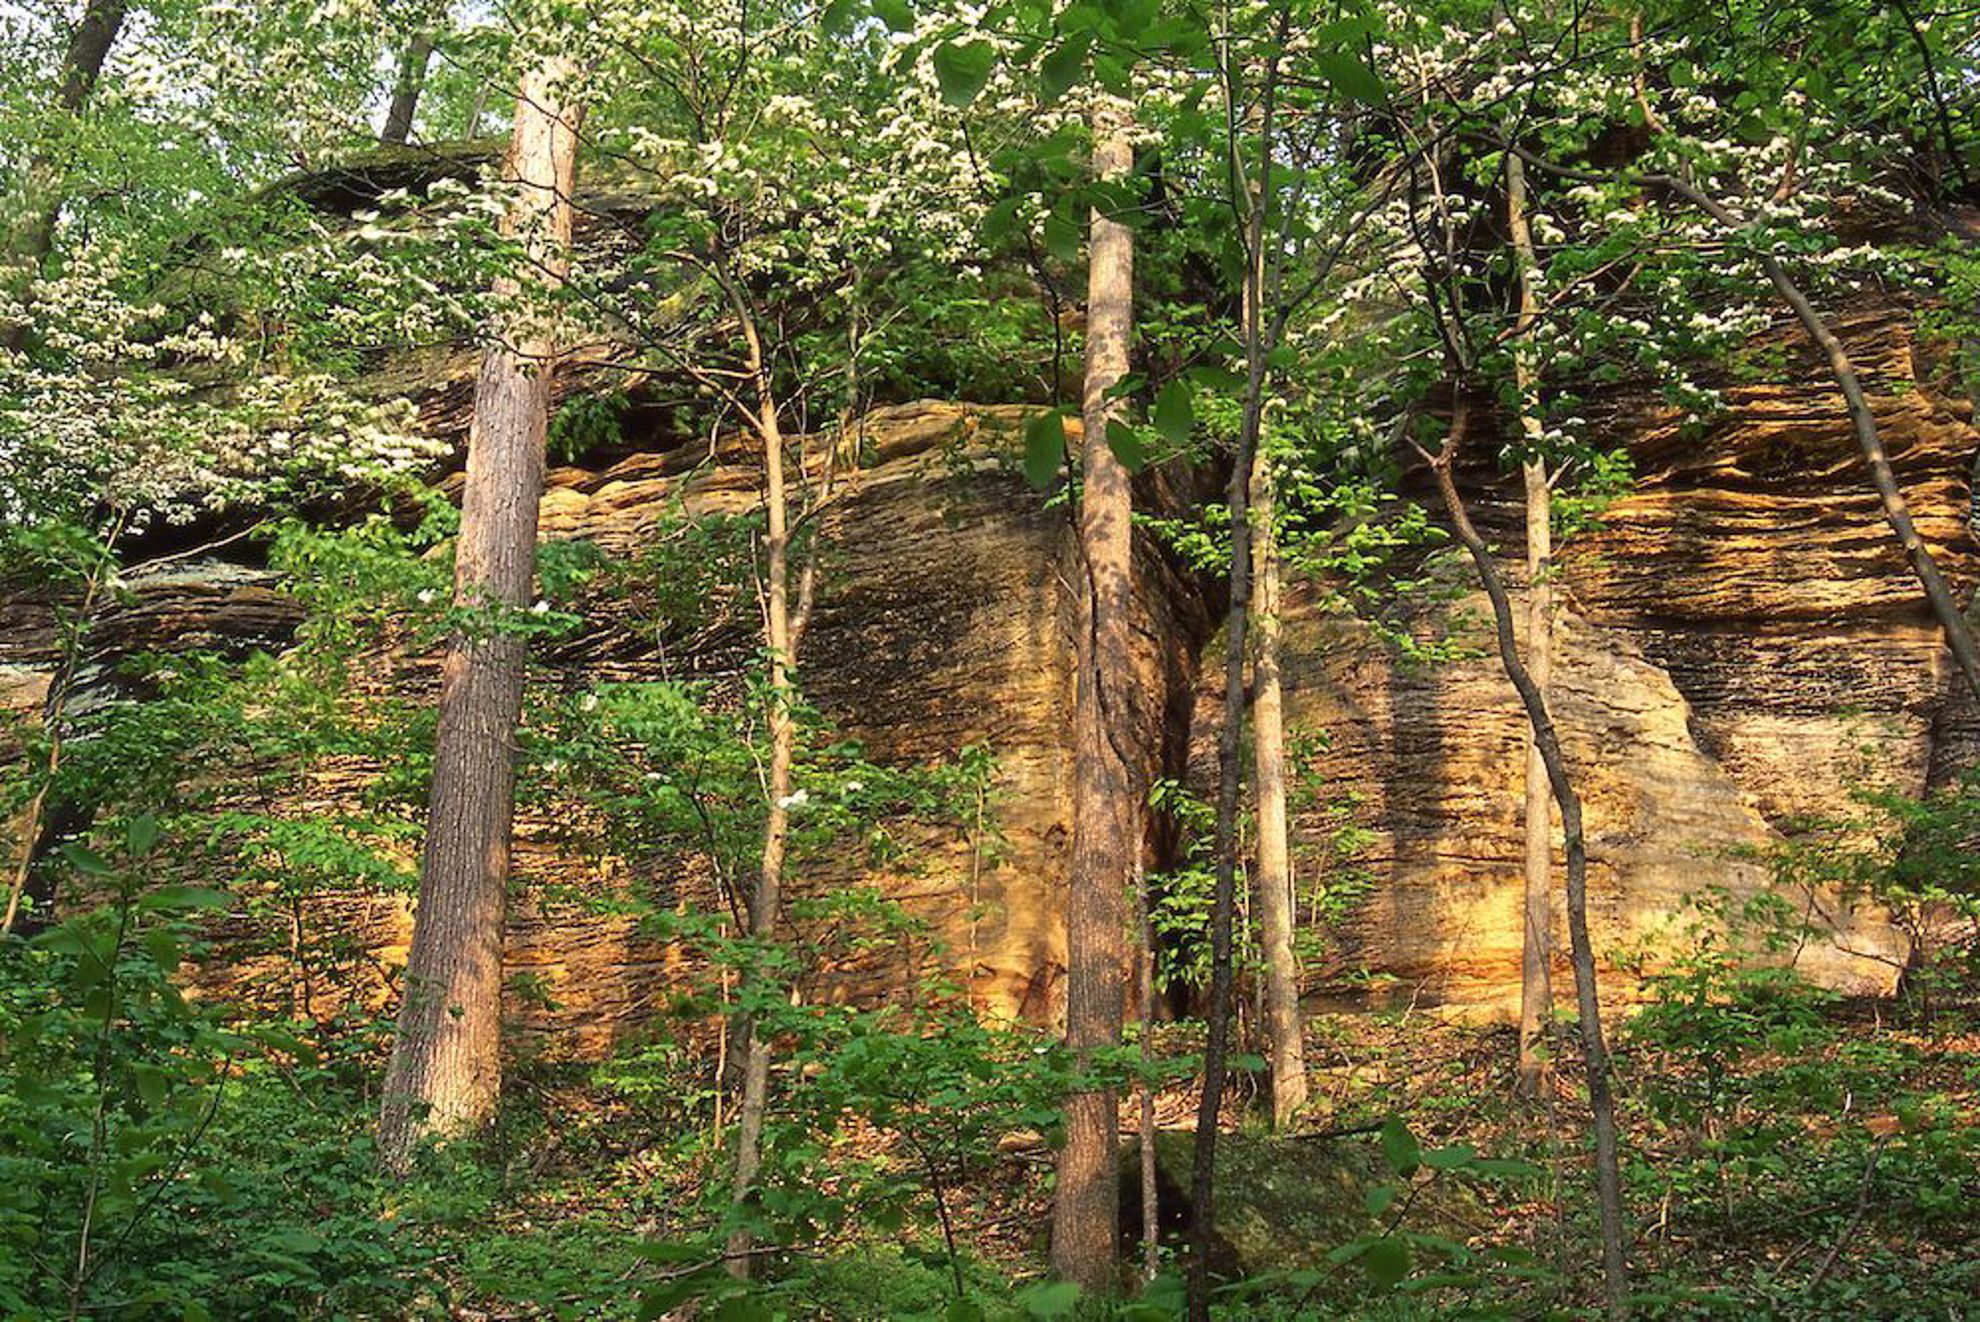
1741, 645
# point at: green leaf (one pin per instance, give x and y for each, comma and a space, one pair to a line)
1001, 220
88, 863
1508, 1167
142, 834
1048, 1299
670, 1252
837, 17
1044, 448
163, 948
1756, 130
151, 1085
1212, 376
1175, 412
1399, 1147
1062, 230
1451, 1158
1387, 1261
963, 1310
1350, 77
280, 1039
660, 1300
1127, 445
168, 898
1344, 32
743, 1308
1114, 73
63, 940
1064, 66
1131, 17
962, 68
298, 1241
1380, 1199
895, 14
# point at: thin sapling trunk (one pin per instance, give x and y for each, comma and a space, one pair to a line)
1595, 1054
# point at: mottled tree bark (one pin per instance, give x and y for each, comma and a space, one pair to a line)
782, 626
1085, 1203
406, 91
1537, 901
445, 1073
31, 235
1284, 1028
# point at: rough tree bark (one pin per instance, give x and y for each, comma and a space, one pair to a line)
1536, 997
32, 234
1594, 1048
445, 1073
407, 89
1085, 1204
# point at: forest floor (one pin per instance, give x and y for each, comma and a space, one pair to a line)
1785, 1154
1829, 1167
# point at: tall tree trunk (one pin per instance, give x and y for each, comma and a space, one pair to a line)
1595, 1052
1536, 997
445, 1073
782, 628
406, 91
32, 233
1230, 772
89, 47
1216, 1052
1284, 1028
1085, 1204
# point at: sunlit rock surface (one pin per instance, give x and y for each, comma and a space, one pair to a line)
1741, 645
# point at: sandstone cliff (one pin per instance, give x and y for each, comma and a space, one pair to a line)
1742, 641
943, 621
1742, 646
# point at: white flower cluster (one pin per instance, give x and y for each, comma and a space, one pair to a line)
121, 404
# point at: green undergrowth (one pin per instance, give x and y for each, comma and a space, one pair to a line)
172, 1152
1788, 1155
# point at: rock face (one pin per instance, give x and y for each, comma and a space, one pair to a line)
944, 620
1741, 645
1735, 635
